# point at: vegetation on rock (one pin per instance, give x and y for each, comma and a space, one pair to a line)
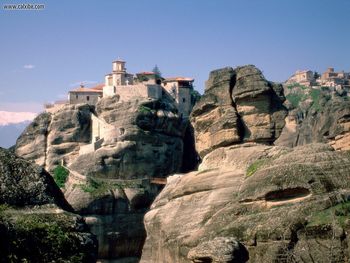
60, 175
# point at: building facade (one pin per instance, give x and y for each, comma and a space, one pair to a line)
85, 95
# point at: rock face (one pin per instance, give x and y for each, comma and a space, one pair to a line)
55, 137
316, 115
239, 105
111, 187
144, 132
280, 204
33, 225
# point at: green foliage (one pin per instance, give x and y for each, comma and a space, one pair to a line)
157, 71
255, 166
339, 212
37, 238
296, 85
315, 95
195, 96
145, 109
96, 187
295, 99
60, 175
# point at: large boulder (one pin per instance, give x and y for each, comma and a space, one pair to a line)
280, 204
35, 222
239, 105
144, 139
55, 137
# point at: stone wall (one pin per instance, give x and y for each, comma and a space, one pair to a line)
90, 98
129, 92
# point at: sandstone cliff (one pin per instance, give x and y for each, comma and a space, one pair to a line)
34, 226
316, 115
279, 204
239, 105
53, 138
250, 200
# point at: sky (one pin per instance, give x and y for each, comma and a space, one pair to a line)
44, 54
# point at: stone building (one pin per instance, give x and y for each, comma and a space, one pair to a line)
180, 89
148, 85
128, 87
331, 78
85, 95
302, 77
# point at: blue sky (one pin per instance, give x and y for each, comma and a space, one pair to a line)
43, 53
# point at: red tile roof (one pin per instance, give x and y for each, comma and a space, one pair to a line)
178, 79
97, 89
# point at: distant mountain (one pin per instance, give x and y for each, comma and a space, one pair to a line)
9, 133
8, 117
12, 125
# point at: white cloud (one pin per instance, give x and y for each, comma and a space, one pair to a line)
7, 117
21, 106
83, 82
29, 66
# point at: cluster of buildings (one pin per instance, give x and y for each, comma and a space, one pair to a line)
141, 85
329, 78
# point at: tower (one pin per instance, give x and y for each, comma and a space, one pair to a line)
119, 72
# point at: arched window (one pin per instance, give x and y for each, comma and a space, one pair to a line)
87, 98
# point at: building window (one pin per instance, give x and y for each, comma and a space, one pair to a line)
183, 100
87, 98
76, 96
115, 90
121, 131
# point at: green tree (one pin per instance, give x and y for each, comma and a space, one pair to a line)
157, 71
316, 75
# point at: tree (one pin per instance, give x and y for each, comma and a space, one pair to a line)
316, 75
157, 71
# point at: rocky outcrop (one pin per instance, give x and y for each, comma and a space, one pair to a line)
34, 226
32, 144
316, 115
239, 105
55, 137
279, 204
112, 186
145, 139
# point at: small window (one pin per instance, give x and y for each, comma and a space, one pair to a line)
76, 96
115, 90
183, 100
87, 98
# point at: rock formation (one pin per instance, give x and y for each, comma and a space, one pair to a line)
250, 199
238, 105
316, 115
34, 226
53, 138
283, 205
144, 132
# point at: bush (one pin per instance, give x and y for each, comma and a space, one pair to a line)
255, 166
60, 175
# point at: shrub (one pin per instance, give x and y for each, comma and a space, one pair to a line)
60, 175
255, 166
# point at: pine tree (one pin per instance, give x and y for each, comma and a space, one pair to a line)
157, 71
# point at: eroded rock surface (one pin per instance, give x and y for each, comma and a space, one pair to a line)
55, 137
34, 227
239, 105
281, 204
148, 133
316, 115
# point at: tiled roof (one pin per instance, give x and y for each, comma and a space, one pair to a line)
97, 89
178, 79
